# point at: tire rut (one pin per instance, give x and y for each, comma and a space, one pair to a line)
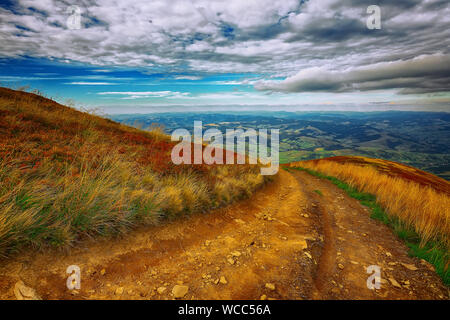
285, 242
353, 241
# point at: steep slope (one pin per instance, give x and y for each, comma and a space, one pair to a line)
65, 175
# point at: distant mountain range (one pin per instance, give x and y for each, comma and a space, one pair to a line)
420, 139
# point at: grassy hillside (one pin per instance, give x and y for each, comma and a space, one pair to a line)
415, 203
65, 175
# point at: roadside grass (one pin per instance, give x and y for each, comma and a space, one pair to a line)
66, 175
435, 252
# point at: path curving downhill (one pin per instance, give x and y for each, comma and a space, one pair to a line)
286, 242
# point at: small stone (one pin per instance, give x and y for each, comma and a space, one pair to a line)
409, 266
340, 266
103, 272
236, 254
119, 291
335, 290
270, 286
308, 254
302, 244
394, 283
223, 280
161, 290
427, 264
230, 260
179, 291
388, 254
263, 297
22, 292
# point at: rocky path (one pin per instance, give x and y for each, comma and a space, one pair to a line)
286, 242
353, 241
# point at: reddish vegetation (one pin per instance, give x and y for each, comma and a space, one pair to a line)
417, 198
66, 173
42, 138
395, 169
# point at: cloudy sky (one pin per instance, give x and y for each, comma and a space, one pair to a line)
141, 55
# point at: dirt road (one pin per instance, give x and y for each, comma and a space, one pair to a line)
287, 242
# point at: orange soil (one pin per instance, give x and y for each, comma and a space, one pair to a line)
308, 246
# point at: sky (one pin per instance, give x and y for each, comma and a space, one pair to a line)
186, 55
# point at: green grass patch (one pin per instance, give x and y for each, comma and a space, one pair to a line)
318, 192
433, 252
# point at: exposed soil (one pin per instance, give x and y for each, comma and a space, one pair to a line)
286, 242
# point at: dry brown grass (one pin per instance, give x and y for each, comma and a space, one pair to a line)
65, 175
420, 207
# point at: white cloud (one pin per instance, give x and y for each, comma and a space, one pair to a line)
92, 83
234, 36
429, 73
188, 78
145, 94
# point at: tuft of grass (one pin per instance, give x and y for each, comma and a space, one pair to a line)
318, 192
421, 207
435, 252
66, 175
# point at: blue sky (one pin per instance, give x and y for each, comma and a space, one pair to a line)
143, 56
